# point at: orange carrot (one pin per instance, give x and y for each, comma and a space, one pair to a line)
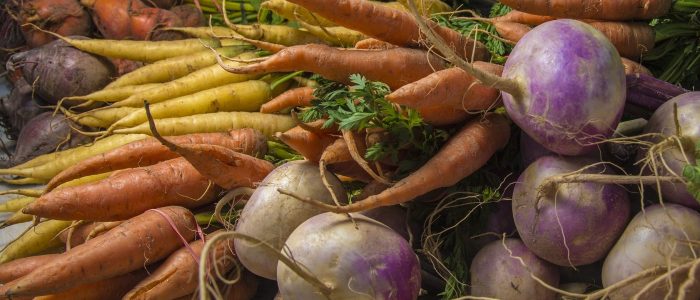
111, 288
19, 267
128, 193
510, 30
373, 44
149, 151
85, 231
465, 152
335, 153
390, 25
307, 143
632, 67
448, 96
292, 98
141, 240
177, 276
225, 167
395, 67
620, 10
632, 40
522, 18
374, 187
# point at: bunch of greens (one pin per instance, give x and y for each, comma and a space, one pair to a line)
676, 55
407, 141
481, 31
239, 11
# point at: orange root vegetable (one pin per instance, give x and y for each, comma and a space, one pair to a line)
307, 143
374, 187
177, 276
337, 35
128, 193
130, 19
448, 96
465, 152
225, 167
390, 25
292, 98
19, 267
149, 151
65, 17
523, 18
632, 40
594, 9
510, 30
350, 169
373, 44
395, 67
632, 67
85, 231
335, 153
244, 289
111, 288
139, 241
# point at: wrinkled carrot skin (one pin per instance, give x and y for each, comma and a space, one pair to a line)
390, 25
395, 67
79, 233
336, 152
620, 10
149, 151
141, 240
373, 44
465, 152
350, 169
632, 40
523, 18
17, 268
225, 167
307, 143
111, 288
128, 193
301, 96
632, 67
177, 276
511, 31
448, 96
372, 188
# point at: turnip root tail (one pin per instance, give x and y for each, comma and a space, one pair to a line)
294, 266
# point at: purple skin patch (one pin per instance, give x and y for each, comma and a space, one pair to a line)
662, 121
573, 85
592, 216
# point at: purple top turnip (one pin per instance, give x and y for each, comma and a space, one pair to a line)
663, 121
370, 261
497, 271
591, 216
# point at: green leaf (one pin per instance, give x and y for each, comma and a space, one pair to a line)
692, 175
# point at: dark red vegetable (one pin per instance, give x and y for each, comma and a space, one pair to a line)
18, 108
65, 17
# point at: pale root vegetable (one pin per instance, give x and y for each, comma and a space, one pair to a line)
395, 67
202, 79
589, 9
373, 44
657, 237
397, 27
17, 218
101, 118
291, 11
110, 288
128, 193
205, 32
504, 269
270, 216
268, 124
175, 67
277, 34
16, 204
242, 96
177, 275
149, 151
337, 36
570, 224
145, 51
141, 240
40, 238
113, 94
671, 159
54, 163
19, 267
354, 258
